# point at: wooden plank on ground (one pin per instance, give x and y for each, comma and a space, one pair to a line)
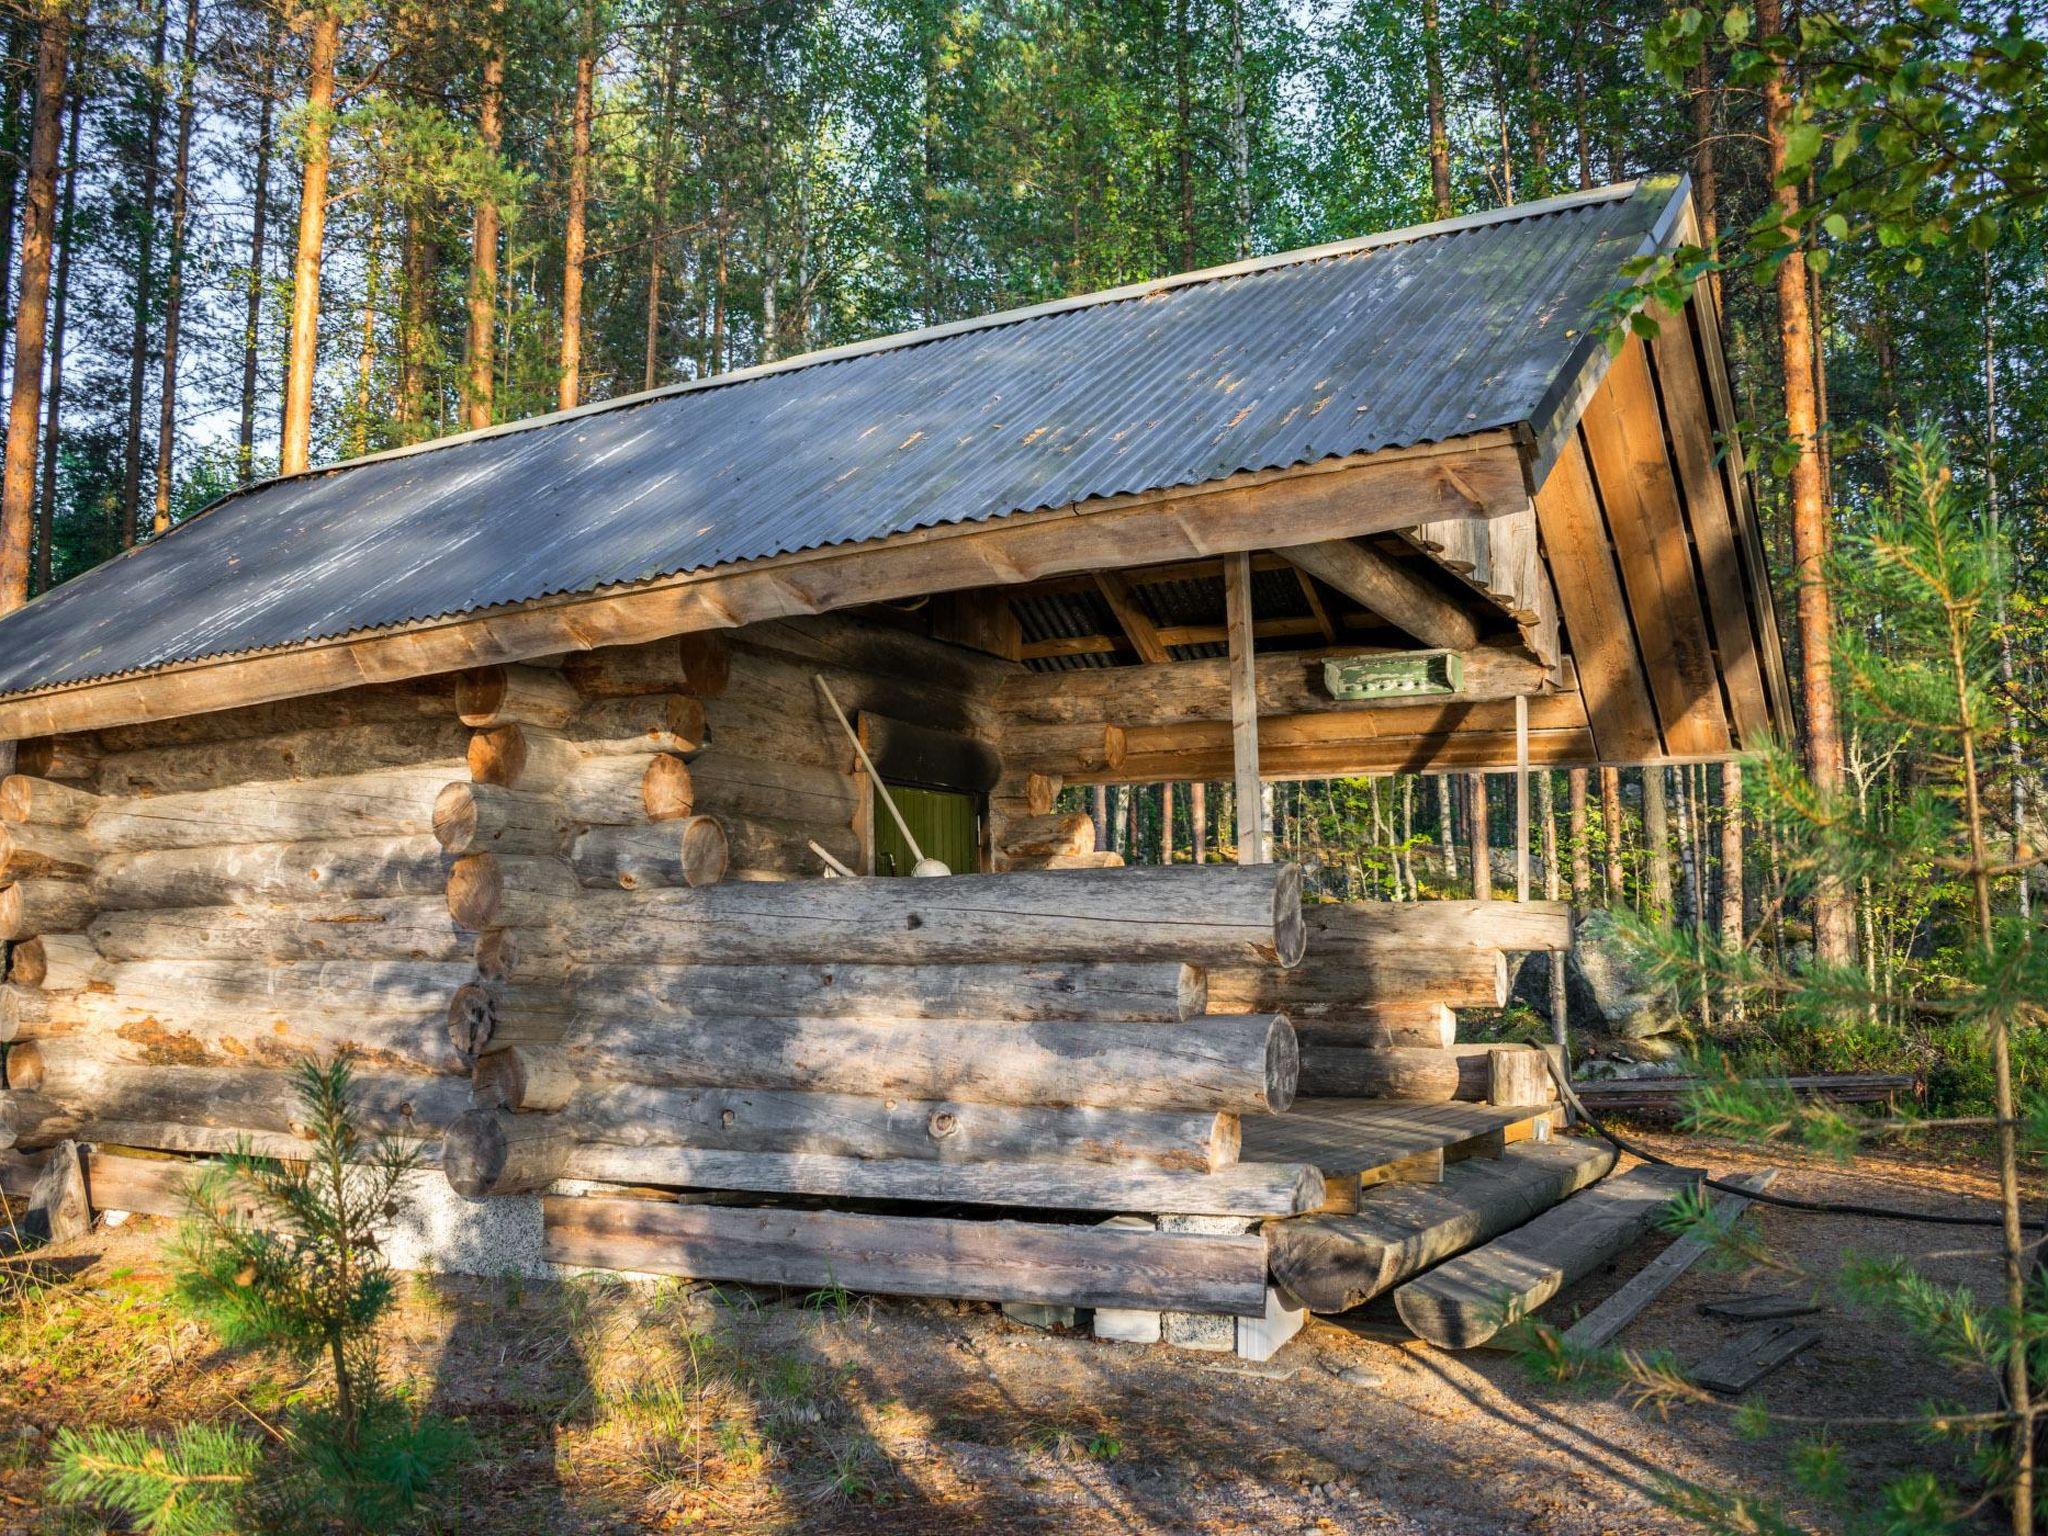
1625, 441
1599, 1326
1758, 1309
1744, 1361
147, 1186
1467, 1301
1596, 615
1091, 1266
1335, 1262
1355, 1136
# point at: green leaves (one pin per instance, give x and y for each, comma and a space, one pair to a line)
190, 1483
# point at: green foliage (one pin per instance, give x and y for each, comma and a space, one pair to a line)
191, 1483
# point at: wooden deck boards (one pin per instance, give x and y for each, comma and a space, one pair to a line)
1346, 1137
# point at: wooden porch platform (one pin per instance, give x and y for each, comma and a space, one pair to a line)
1361, 1142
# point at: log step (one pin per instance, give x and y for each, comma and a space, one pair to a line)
1467, 1301
1352, 1137
1336, 1262
1086, 1266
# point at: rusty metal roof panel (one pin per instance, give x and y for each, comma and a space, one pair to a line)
1387, 342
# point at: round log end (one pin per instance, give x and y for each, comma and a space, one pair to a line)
475, 1152
1283, 1065
29, 965
472, 1019
682, 720
1290, 934
1115, 747
1226, 1142
476, 890
480, 694
14, 920
498, 755
498, 1081
1192, 996
704, 851
665, 789
455, 818
497, 954
24, 1066
17, 795
707, 663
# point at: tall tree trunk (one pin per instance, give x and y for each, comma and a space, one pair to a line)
145, 286
31, 313
569, 392
1184, 135
1689, 906
315, 155
1166, 824
1482, 839
1553, 878
1992, 515
1240, 137
14, 108
1539, 120
1098, 811
1706, 181
1448, 834
1733, 922
46, 503
174, 283
1198, 820
1833, 917
1657, 844
1439, 136
664, 144
259, 229
1580, 131
483, 240
1582, 848
416, 279
366, 341
1611, 824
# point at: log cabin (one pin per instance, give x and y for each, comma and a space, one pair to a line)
508, 761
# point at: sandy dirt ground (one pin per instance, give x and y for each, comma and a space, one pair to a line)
602, 1407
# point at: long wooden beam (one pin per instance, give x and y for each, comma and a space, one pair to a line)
1389, 589
1135, 622
1480, 476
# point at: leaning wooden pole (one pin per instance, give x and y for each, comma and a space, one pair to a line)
1244, 709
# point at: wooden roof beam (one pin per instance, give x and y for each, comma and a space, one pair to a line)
1389, 589
1135, 622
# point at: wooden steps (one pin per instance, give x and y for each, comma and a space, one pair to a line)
1462, 1304
1336, 1262
1361, 1142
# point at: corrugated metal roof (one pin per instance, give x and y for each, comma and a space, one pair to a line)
1391, 341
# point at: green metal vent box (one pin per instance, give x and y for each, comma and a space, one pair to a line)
1398, 675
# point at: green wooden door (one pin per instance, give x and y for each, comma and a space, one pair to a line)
944, 824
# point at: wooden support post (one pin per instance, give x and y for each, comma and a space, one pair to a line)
1198, 818
1521, 797
1166, 823
1244, 709
1482, 839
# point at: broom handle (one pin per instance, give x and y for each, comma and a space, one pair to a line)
916, 853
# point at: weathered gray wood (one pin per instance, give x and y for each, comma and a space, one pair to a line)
1071, 832
652, 722
29, 908
757, 848
688, 852
56, 962
914, 1255
421, 698
1161, 991
1328, 984
45, 802
489, 696
234, 1098
597, 789
220, 876
1336, 1262
696, 663
31, 1121
1598, 1327
405, 928
741, 781
1249, 915
1518, 1074
1361, 931
844, 1125
386, 802
489, 890
167, 766
1417, 1074
1243, 1064
1757, 1309
1377, 1026
26, 1012
1244, 710
59, 1204
487, 1153
1744, 1361
1400, 595
489, 818
30, 851
1467, 1301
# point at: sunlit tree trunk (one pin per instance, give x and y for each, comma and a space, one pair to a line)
1582, 848
46, 503
483, 241
1833, 918
569, 392
416, 278
315, 156
1611, 824
1198, 820
1439, 135
174, 284
1447, 832
1482, 840
145, 285
1166, 824
31, 313
1657, 843
252, 297
1553, 880
366, 342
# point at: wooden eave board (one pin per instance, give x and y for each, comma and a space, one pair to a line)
1632, 474
1344, 1137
